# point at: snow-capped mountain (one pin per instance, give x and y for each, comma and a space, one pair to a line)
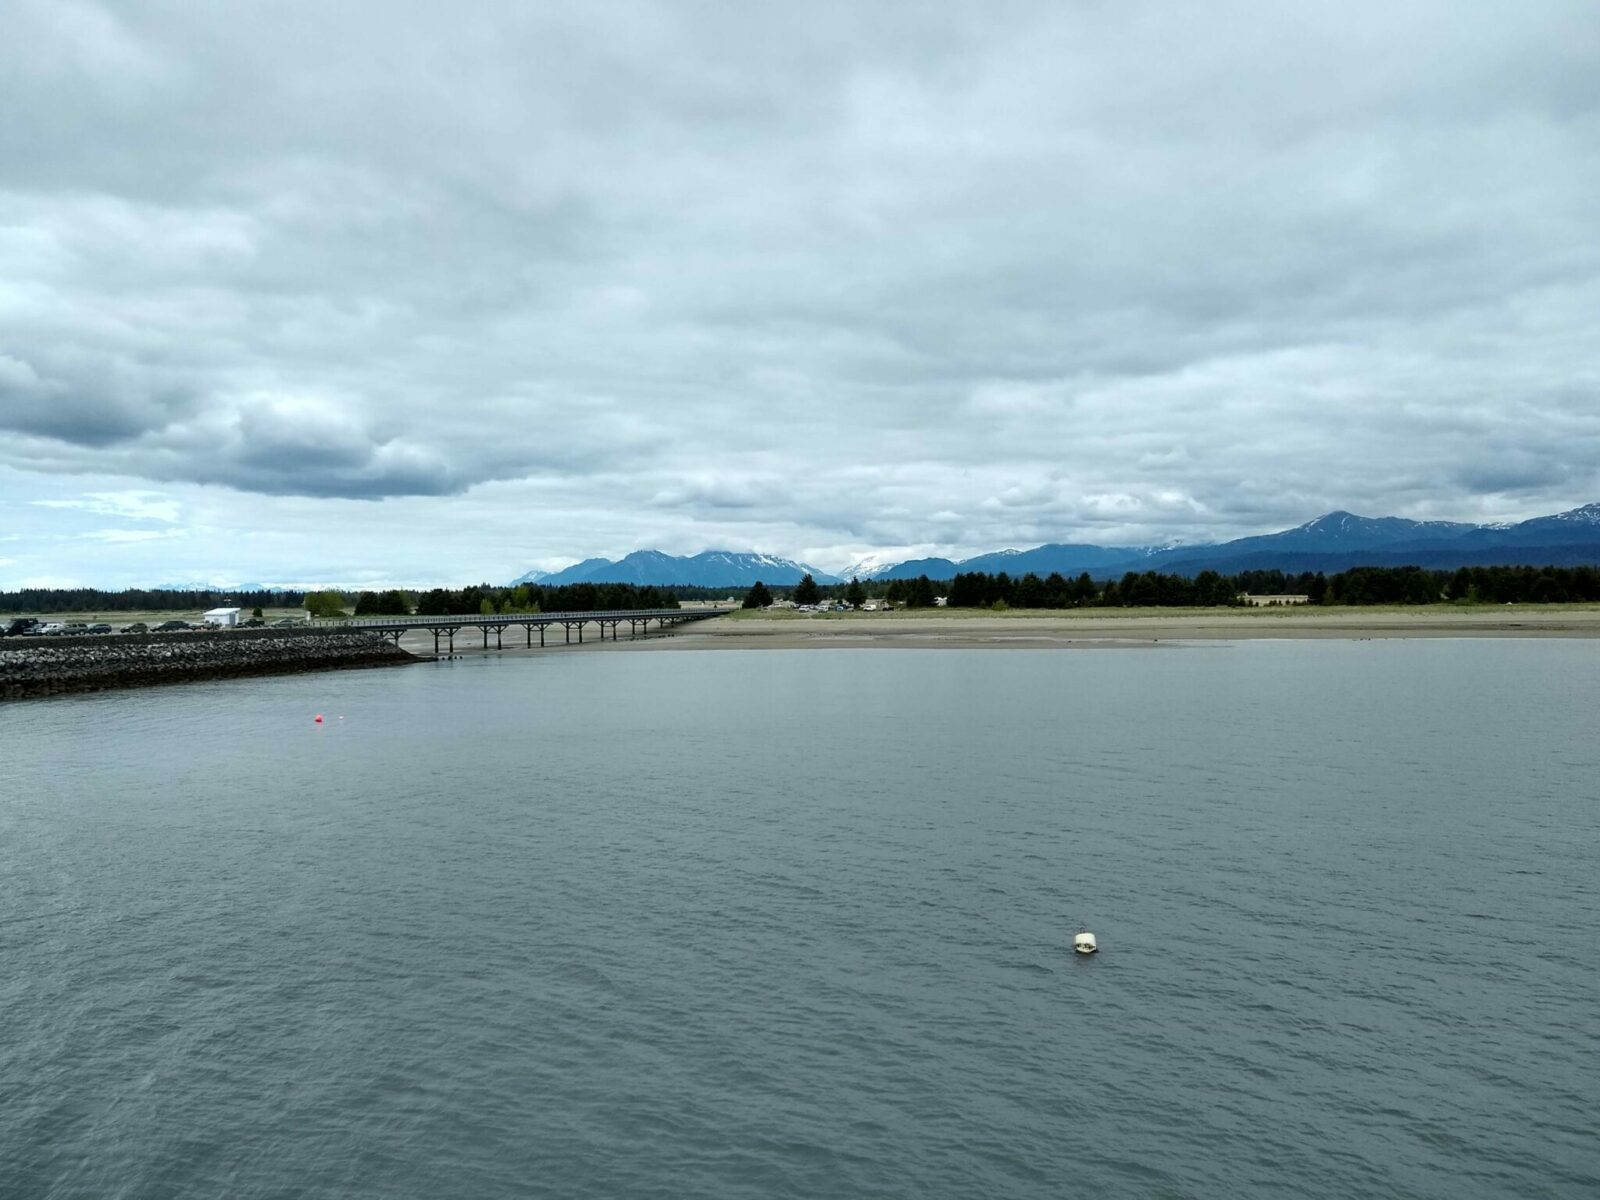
219, 587
869, 567
1334, 541
1340, 540
1563, 528
1342, 531
714, 568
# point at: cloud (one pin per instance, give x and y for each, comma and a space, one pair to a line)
132, 505
706, 275
717, 493
126, 536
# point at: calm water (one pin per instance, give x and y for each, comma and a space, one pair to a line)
796, 924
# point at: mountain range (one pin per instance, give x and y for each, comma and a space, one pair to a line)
714, 568
1336, 541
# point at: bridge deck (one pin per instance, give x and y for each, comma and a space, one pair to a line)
498, 623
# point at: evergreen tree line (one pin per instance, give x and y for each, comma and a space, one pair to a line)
1359, 585
70, 600
482, 599
534, 598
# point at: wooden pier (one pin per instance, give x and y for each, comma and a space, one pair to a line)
637, 621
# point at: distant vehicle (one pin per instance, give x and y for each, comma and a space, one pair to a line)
51, 628
252, 623
136, 627
100, 627
19, 626
171, 626
285, 623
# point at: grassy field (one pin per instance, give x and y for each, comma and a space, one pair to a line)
1287, 613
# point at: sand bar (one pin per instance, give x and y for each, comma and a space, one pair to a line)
1083, 629
1105, 629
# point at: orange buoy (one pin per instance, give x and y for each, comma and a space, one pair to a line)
317, 718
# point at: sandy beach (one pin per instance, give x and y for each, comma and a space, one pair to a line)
1083, 629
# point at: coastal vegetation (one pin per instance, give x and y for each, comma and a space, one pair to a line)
1361, 586
1150, 589
535, 598
143, 600
483, 598
1209, 589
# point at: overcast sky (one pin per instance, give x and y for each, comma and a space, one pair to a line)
415, 293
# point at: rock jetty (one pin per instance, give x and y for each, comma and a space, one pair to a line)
46, 666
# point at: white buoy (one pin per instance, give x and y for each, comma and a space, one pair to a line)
1084, 942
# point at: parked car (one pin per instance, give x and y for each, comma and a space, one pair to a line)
285, 623
136, 627
51, 628
252, 623
99, 627
171, 626
21, 626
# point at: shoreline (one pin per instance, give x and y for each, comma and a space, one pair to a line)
1098, 629
34, 668
1080, 630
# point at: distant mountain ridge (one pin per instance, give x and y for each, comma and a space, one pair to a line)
713, 568
1335, 541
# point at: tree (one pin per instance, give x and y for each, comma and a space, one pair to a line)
807, 591
256, 613
1030, 591
434, 603
920, 593
1212, 590
758, 596
855, 595
325, 604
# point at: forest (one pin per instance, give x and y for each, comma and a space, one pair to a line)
1358, 586
481, 599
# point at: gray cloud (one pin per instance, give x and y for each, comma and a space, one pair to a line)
698, 274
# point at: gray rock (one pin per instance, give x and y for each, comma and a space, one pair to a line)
44, 666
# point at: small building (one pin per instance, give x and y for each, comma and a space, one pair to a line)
1272, 601
221, 616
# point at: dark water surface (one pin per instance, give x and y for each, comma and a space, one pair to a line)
796, 924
